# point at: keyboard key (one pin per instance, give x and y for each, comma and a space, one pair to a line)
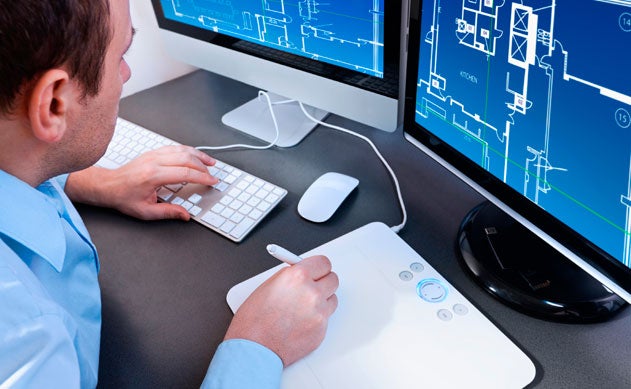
255, 214
261, 194
263, 206
243, 197
222, 186
242, 228
195, 210
254, 201
236, 204
227, 213
271, 198
234, 192
195, 198
245, 209
213, 219
226, 200
227, 226
236, 217
108, 163
217, 208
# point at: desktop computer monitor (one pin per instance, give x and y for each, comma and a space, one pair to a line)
342, 57
530, 103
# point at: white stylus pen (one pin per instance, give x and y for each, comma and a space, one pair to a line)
283, 254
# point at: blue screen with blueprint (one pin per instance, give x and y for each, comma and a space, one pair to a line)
348, 33
538, 92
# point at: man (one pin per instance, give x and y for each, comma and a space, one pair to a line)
62, 69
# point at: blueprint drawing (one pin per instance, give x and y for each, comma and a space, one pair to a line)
346, 33
538, 92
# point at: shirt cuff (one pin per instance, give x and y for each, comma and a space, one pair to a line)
241, 363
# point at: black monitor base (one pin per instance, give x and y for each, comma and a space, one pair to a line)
523, 271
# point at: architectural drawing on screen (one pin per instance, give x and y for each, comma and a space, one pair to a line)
535, 93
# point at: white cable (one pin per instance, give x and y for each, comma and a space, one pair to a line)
396, 228
271, 144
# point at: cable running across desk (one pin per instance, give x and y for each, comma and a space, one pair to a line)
270, 105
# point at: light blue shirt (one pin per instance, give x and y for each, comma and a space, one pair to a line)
50, 302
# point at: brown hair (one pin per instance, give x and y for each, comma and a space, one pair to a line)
38, 35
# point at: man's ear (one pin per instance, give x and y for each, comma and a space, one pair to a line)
48, 105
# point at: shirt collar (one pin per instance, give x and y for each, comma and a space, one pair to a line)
32, 219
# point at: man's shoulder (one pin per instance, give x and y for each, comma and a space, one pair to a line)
23, 299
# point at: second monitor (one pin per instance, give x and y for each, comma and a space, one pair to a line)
340, 57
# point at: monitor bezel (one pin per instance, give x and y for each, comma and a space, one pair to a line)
581, 251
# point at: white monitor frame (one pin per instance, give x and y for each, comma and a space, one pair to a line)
367, 107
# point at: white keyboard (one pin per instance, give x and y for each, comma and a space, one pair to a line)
232, 207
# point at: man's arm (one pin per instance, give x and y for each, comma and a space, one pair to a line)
36, 346
39, 354
132, 188
282, 321
241, 364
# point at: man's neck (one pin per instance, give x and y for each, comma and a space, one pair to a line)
21, 156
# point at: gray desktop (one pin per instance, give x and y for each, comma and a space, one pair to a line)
164, 283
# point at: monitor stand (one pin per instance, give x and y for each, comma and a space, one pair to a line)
254, 118
523, 271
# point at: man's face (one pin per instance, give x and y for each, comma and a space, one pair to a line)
91, 125
116, 71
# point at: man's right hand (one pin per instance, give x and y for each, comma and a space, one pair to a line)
289, 312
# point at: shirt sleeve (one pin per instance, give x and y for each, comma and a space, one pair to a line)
39, 355
241, 364
36, 350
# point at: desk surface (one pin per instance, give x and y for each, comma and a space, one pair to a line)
164, 282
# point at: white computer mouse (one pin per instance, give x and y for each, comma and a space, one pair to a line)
324, 196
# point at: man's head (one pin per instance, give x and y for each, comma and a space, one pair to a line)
61, 76
38, 35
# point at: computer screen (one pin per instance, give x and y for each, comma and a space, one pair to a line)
339, 57
531, 102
